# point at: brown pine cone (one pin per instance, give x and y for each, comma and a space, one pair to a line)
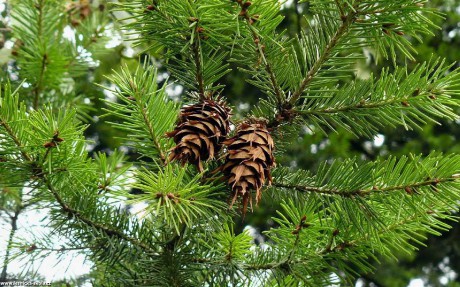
249, 160
200, 131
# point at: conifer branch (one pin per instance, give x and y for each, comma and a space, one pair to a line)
364, 239
146, 110
329, 249
105, 229
348, 20
197, 54
73, 212
16, 140
260, 48
33, 247
77, 214
38, 85
400, 98
13, 230
152, 134
355, 106
199, 67
194, 46
362, 192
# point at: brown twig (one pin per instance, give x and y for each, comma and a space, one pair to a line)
199, 70
261, 50
362, 192
105, 229
14, 228
66, 208
33, 247
18, 143
153, 138
196, 52
341, 31
38, 85
296, 232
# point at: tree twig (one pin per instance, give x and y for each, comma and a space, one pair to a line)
329, 249
152, 134
361, 192
361, 105
296, 232
324, 56
199, 70
69, 210
62, 249
105, 229
261, 51
15, 139
38, 86
14, 227
196, 52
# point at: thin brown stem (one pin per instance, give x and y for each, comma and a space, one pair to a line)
361, 192
196, 36
196, 50
14, 227
69, 210
260, 49
323, 252
38, 86
324, 56
362, 105
62, 249
105, 229
153, 138
297, 232
342, 13
16, 140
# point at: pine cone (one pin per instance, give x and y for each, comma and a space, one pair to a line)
200, 131
249, 160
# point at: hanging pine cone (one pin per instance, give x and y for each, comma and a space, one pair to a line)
200, 131
249, 160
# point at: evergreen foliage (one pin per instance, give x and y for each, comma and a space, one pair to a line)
330, 223
144, 110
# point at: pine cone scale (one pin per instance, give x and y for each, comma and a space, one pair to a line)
200, 132
248, 162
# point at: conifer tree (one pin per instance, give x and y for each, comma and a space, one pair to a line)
198, 168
